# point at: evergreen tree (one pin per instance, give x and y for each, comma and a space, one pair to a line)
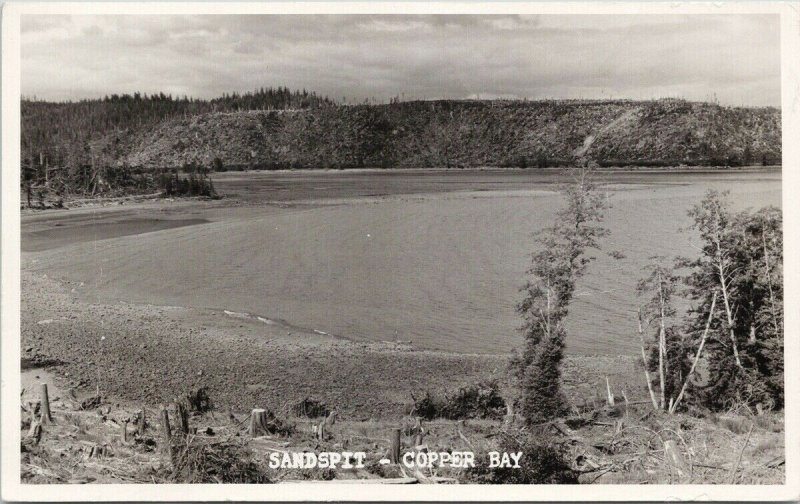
555, 268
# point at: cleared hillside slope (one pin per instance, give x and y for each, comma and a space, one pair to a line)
461, 134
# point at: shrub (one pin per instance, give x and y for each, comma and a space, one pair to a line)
543, 462
310, 408
482, 400
196, 461
428, 407
199, 401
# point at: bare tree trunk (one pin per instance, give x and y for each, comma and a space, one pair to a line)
729, 315
728, 311
696, 356
646, 365
662, 342
769, 283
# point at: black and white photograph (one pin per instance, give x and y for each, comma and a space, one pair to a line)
332, 248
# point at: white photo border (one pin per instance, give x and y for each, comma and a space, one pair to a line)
14, 490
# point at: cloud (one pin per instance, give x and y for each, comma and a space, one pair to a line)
735, 57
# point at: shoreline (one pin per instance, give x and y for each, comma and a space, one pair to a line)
150, 197
155, 354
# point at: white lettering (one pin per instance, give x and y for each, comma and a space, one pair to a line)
359, 456
274, 460
469, 460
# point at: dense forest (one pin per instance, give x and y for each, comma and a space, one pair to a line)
123, 142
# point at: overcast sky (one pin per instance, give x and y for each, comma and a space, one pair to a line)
735, 57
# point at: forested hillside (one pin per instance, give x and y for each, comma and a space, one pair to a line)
122, 137
72, 144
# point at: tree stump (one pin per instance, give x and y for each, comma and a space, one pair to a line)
142, 424
183, 418
415, 427
33, 437
610, 398
394, 452
97, 451
258, 423
167, 431
125, 431
46, 417
510, 417
322, 428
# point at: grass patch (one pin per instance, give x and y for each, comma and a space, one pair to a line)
737, 425
769, 422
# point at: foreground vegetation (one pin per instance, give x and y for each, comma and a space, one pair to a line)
93, 440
